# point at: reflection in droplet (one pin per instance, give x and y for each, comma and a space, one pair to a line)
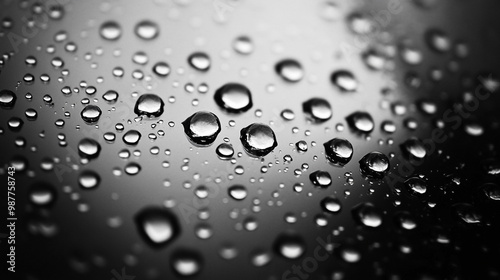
234, 98
110, 30
344, 80
366, 214
91, 113
150, 105
361, 122
202, 127
147, 30
290, 70
131, 137
374, 165
186, 262
158, 226
199, 61
258, 139
89, 179
317, 109
338, 151
290, 246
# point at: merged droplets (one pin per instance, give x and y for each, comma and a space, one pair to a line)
234, 98
290, 70
374, 165
361, 122
89, 179
366, 214
89, 148
258, 139
317, 109
158, 226
338, 151
289, 245
202, 127
321, 178
91, 113
131, 137
150, 105
237, 192
7, 98
186, 263
345, 81
110, 30
147, 30
199, 61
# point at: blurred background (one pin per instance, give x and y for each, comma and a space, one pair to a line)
115, 184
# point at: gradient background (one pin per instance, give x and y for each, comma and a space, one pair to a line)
85, 247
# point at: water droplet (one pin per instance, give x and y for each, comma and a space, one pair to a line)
258, 139
321, 178
199, 61
110, 96
158, 226
467, 213
150, 105
110, 30
287, 114
437, 40
131, 137
366, 214
290, 70
7, 98
345, 81
413, 148
374, 165
361, 122
301, 146
338, 151
492, 191
89, 179
91, 113
186, 263
237, 192
234, 98
132, 168
331, 204
289, 245
89, 148
161, 69
317, 109
147, 30
225, 151
416, 185
243, 45
202, 127
42, 194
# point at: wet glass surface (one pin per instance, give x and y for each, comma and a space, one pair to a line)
251, 139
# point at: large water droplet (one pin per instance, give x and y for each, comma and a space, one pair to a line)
366, 214
317, 109
7, 98
131, 137
110, 96
199, 61
147, 30
150, 105
360, 122
110, 30
374, 165
237, 192
338, 151
413, 148
331, 204
91, 113
290, 70
234, 98
345, 81
89, 179
321, 178
202, 127
416, 185
289, 245
89, 148
186, 263
42, 194
258, 139
158, 226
